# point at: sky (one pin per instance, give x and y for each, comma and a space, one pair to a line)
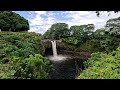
41, 21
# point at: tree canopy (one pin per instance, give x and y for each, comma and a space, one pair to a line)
21, 56
113, 25
11, 21
57, 31
102, 66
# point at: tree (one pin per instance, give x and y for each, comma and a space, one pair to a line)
47, 35
58, 30
79, 34
82, 32
113, 25
88, 29
99, 33
76, 31
10, 21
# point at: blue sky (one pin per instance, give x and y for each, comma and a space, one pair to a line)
40, 21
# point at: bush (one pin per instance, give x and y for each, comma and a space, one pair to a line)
34, 67
102, 66
20, 56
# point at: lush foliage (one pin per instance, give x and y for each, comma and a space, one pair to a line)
85, 37
105, 41
33, 67
20, 56
113, 25
57, 31
10, 21
102, 66
79, 34
102, 43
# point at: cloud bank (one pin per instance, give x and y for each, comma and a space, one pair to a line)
40, 21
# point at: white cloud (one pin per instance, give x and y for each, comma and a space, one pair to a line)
40, 21
89, 17
40, 12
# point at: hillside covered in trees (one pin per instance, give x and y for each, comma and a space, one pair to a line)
103, 44
22, 53
20, 56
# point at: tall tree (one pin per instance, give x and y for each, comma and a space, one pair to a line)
113, 25
99, 33
59, 30
47, 35
11, 21
81, 33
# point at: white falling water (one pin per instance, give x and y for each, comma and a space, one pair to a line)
56, 57
54, 48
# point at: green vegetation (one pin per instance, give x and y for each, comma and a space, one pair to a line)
102, 66
85, 37
113, 25
10, 21
57, 31
104, 44
20, 56
21, 51
105, 64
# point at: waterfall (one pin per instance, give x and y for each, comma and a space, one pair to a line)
56, 57
54, 48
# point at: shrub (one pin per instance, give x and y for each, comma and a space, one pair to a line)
102, 66
20, 56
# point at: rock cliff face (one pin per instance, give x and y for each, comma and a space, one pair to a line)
63, 48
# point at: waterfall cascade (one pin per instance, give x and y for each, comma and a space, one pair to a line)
56, 57
54, 48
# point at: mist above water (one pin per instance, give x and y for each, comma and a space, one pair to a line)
58, 58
